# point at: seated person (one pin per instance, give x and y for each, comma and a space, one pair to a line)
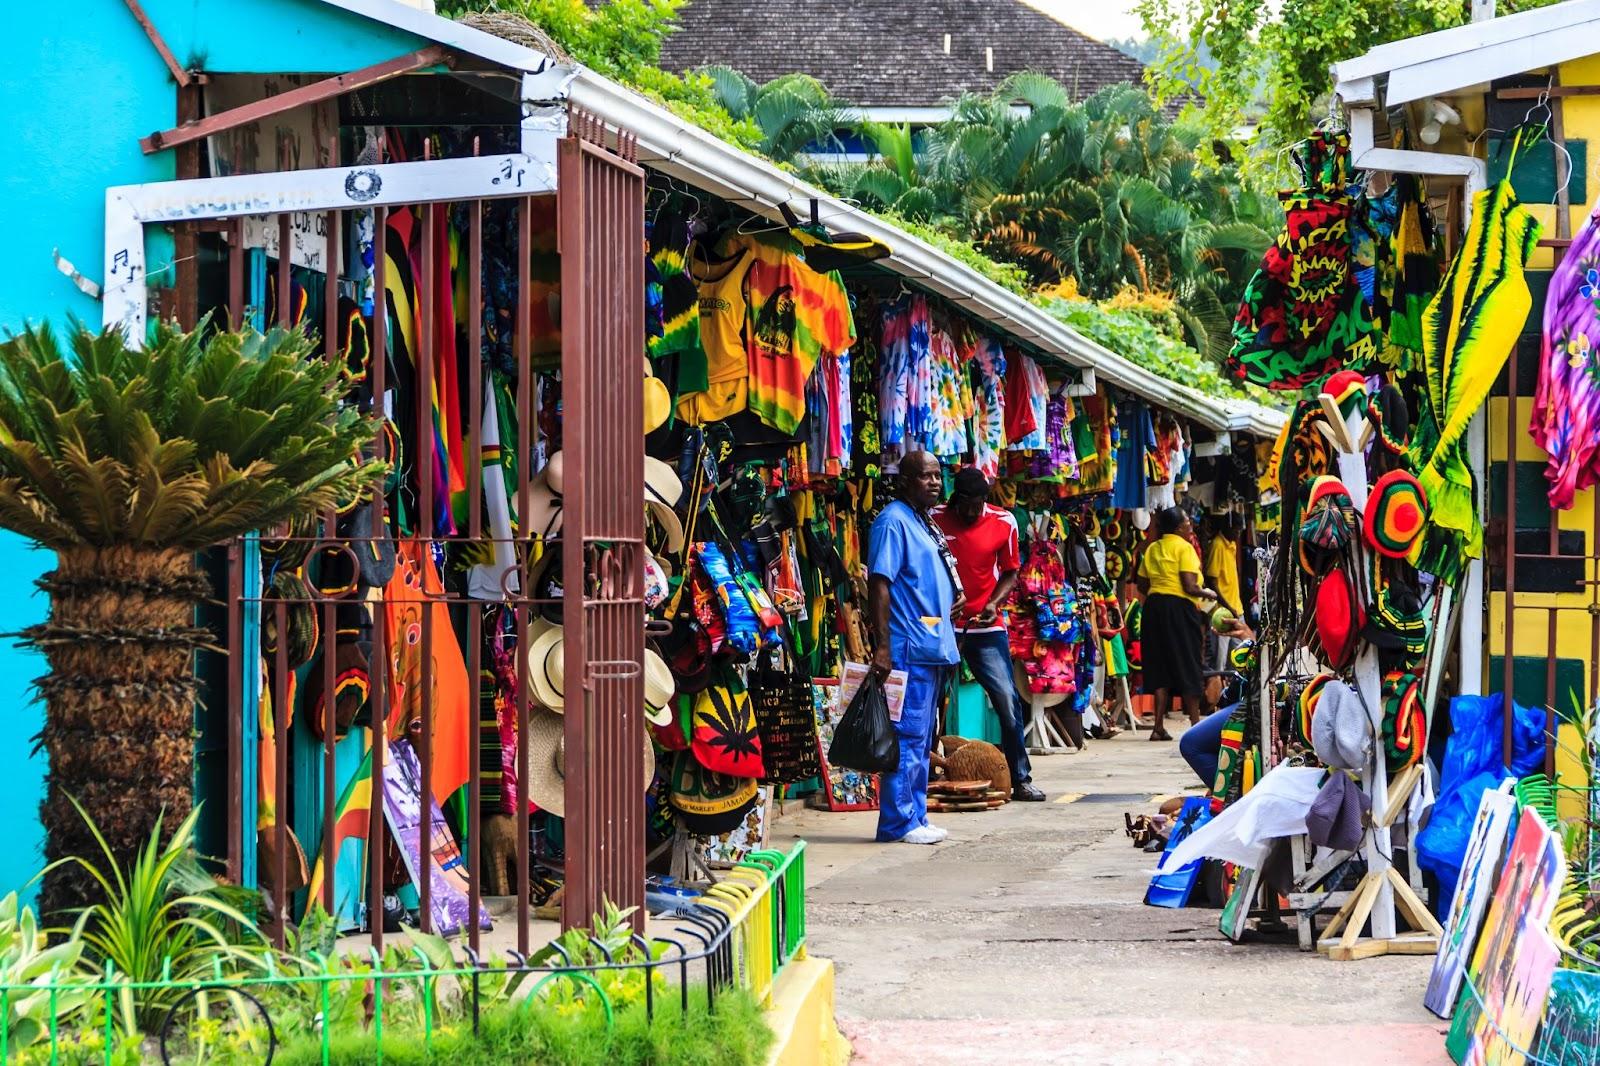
1201, 744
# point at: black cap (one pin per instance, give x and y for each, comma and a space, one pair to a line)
970, 484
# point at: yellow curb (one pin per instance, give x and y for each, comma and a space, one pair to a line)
801, 1017
1068, 797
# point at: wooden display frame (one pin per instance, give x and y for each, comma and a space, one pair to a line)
1382, 891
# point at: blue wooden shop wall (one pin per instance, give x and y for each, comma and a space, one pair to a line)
80, 85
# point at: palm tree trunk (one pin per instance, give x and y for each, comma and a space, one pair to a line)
119, 704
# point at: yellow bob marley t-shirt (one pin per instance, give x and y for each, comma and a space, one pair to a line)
765, 319
722, 321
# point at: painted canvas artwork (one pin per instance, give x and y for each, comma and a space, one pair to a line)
1172, 888
448, 905
1571, 1032
735, 846
1480, 872
1511, 968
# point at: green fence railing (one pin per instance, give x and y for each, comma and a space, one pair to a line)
741, 933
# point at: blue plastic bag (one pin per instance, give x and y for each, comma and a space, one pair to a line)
1172, 888
1473, 763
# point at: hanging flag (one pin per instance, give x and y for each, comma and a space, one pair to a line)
350, 820
413, 595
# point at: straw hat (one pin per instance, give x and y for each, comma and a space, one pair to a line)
657, 403
544, 666
544, 503
662, 491
547, 762
659, 689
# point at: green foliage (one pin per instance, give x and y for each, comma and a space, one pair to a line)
734, 1033
162, 920
1106, 192
28, 962
194, 439
1252, 58
621, 40
1143, 338
793, 112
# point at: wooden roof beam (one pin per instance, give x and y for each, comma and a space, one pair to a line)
338, 85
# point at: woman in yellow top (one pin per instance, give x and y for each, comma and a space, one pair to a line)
1170, 578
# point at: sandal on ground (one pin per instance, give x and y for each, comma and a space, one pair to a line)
1160, 734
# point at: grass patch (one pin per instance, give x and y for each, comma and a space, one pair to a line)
735, 1033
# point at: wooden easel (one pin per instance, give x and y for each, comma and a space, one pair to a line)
1382, 889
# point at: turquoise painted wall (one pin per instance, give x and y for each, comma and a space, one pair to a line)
79, 86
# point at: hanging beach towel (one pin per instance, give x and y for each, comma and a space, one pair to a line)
1566, 404
1468, 331
1303, 315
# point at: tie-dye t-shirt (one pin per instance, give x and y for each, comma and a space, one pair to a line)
795, 314
988, 364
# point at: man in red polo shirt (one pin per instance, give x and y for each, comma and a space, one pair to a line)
984, 541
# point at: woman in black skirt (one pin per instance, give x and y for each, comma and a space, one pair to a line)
1170, 578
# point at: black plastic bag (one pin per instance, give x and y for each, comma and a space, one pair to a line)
865, 738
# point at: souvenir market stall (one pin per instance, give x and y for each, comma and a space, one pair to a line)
400, 666
1511, 838
1377, 519
783, 477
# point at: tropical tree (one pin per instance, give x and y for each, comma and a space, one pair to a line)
1107, 192
1269, 64
795, 112
127, 461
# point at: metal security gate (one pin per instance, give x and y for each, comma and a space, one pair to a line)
601, 196
600, 230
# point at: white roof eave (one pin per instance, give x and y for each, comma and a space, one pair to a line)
670, 144
1438, 64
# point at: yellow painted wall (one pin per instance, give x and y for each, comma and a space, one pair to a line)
1574, 634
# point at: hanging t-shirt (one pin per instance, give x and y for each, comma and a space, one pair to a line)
1027, 394
950, 398
988, 364
722, 321
1019, 413
1222, 567
1138, 437
906, 382
680, 303
795, 314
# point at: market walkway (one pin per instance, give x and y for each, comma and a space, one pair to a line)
1024, 940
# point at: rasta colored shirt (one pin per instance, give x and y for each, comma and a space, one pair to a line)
795, 315
722, 318
765, 319
680, 302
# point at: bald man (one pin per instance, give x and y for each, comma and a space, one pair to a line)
912, 592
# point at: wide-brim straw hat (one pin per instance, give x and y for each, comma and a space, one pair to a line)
659, 688
657, 403
545, 666
547, 764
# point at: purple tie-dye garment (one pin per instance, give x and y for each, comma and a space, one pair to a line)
1566, 405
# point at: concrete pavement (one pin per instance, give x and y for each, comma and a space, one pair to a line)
1024, 939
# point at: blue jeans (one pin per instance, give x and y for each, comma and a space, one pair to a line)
1201, 745
903, 795
988, 656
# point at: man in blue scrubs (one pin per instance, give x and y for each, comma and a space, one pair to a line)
912, 594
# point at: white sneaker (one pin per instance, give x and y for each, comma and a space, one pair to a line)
942, 832
923, 834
